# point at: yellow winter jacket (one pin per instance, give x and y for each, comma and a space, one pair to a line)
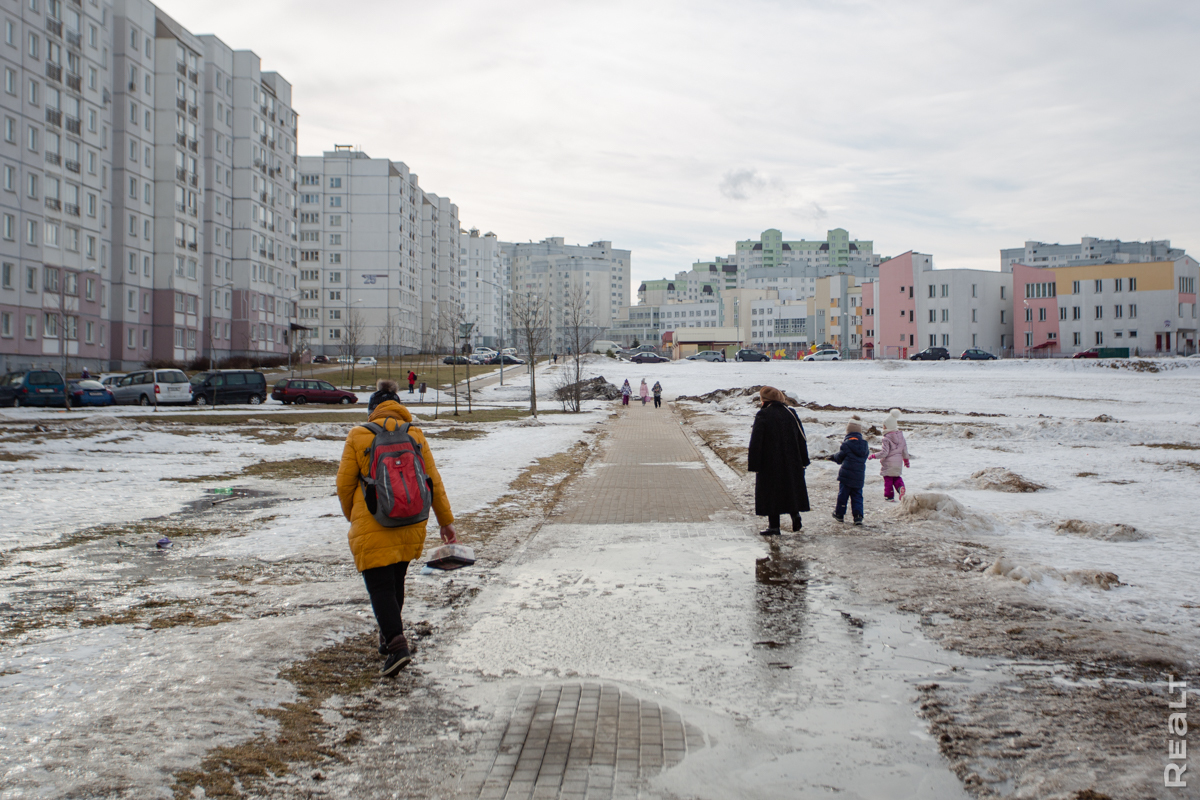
372, 544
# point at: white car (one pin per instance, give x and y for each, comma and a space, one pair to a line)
824, 355
367, 361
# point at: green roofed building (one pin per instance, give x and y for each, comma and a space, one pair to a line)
838, 253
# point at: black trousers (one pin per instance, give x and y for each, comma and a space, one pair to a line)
657, 401
386, 587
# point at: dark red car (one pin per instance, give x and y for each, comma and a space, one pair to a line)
1092, 353
295, 390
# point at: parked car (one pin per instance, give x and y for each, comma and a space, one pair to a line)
294, 390
367, 361
975, 354
828, 354
648, 358
483, 352
89, 393
1089, 353
229, 386
456, 360
641, 348
707, 355
478, 358
509, 351
506, 358
320, 359
751, 355
34, 387
345, 359
931, 354
148, 387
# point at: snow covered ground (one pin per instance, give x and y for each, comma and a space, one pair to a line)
1127, 470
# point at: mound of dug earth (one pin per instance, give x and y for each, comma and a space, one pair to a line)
1029, 573
998, 479
1109, 532
717, 395
593, 389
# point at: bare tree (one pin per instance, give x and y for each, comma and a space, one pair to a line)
531, 320
578, 335
354, 334
386, 340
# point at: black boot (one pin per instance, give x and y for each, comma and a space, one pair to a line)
769, 532
858, 521
383, 650
398, 656
796, 523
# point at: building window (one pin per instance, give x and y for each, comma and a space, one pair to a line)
1077, 338
1099, 312
1132, 309
1062, 313
945, 315
1132, 288
1099, 285
1042, 314
1099, 337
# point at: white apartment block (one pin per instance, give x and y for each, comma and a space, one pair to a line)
1090, 250
361, 254
481, 280
250, 247
963, 308
439, 271
555, 270
56, 161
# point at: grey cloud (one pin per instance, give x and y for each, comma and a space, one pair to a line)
744, 184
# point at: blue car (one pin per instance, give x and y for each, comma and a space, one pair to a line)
35, 387
89, 393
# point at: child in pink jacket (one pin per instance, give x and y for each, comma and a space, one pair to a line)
893, 457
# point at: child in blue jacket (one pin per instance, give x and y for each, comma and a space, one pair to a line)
853, 474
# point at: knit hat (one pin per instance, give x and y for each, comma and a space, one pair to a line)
893, 420
769, 394
385, 390
855, 425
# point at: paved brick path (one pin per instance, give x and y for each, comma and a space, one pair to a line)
649, 472
597, 741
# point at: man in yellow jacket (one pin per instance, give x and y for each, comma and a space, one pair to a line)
382, 554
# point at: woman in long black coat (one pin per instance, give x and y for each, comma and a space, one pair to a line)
778, 456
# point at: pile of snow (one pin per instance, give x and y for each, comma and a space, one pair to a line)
1109, 532
999, 479
940, 507
1031, 573
324, 430
717, 395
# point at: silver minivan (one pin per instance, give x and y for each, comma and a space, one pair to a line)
150, 387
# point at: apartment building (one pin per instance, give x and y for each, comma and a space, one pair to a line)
1148, 307
439, 271
481, 280
600, 273
249, 209
361, 254
1090, 250
837, 253
56, 162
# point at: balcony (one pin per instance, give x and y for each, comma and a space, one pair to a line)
71, 209
180, 242
191, 245
181, 173
52, 202
194, 180
54, 72
73, 125
74, 82
54, 26
54, 117
106, 96
181, 69
73, 166
181, 104
193, 77
180, 207
52, 158
262, 196
181, 140
194, 112
194, 146
75, 40
263, 138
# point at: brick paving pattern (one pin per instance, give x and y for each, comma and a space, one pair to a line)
579, 741
594, 741
640, 477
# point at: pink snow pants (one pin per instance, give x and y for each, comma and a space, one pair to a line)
892, 483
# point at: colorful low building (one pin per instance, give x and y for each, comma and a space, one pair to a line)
1149, 307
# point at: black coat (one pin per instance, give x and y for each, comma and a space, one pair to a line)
778, 454
853, 458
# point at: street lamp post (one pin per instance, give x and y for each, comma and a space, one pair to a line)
501, 290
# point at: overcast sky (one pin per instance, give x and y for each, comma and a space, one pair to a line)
675, 128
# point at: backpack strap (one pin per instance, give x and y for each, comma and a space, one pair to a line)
373, 428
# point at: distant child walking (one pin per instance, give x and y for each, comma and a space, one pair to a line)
893, 457
644, 392
625, 392
853, 474
657, 394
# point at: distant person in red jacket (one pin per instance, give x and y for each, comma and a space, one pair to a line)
412, 381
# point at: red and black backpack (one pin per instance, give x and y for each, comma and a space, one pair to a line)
397, 489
